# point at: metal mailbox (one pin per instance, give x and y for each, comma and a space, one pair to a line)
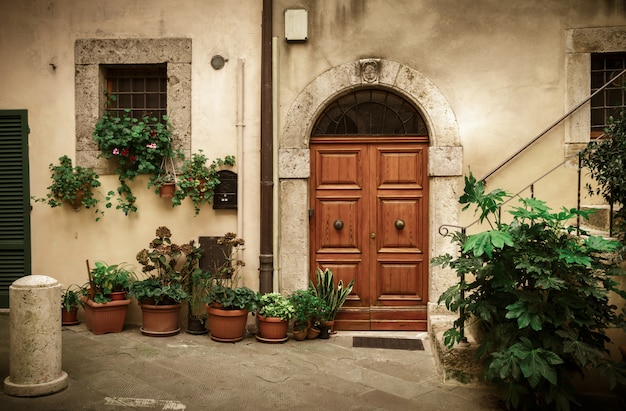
225, 194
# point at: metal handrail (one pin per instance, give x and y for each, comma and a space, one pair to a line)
443, 229
556, 123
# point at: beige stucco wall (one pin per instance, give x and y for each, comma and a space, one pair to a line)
502, 70
36, 35
487, 75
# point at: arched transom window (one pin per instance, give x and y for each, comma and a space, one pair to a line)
370, 113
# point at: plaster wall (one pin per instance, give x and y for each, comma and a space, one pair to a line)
487, 75
500, 73
37, 60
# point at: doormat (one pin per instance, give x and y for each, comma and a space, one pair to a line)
412, 344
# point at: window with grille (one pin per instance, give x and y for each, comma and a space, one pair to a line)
610, 101
370, 113
140, 88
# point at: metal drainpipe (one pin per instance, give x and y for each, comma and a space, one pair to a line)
266, 256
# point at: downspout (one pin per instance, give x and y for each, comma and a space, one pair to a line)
276, 208
266, 257
240, 160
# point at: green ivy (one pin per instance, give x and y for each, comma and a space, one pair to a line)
137, 146
540, 295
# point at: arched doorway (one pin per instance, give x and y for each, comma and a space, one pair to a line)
369, 207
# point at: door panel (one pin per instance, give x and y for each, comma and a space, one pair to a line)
370, 223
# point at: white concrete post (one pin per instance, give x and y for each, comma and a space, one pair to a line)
35, 338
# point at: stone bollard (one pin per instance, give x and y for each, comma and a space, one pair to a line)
35, 337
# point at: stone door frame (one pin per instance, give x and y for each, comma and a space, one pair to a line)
445, 164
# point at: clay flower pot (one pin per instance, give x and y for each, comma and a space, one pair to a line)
272, 329
160, 320
227, 325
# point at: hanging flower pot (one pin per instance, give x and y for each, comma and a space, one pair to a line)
77, 202
167, 190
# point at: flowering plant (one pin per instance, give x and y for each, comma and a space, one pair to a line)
197, 180
137, 146
169, 267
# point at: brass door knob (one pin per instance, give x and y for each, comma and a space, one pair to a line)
338, 224
373, 235
399, 224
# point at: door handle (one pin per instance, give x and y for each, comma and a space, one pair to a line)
399, 224
373, 236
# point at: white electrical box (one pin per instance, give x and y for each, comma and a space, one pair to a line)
296, 25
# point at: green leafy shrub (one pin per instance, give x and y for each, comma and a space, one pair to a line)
309, 309
275, 305
237, 298
197, 179
138, 146
105, 279
71, 185
540, 295
605, 160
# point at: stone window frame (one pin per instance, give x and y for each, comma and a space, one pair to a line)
580, 43
90, 54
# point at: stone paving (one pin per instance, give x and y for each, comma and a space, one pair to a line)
124, 371
130, 371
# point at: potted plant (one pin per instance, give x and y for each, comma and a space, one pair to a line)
275, 311
199, 284
604, 159
197, 180
110, 282
540, 294
106, 303
136, 146
70, 302
228, 309
309, 310
164, 184
333, 295
168, 267
71, 185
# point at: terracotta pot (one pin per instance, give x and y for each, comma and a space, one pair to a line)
69, 317
272, 329
167, 190
227, 325
300, 335
105, 318
313, 333
160, 320
118, 295
77, 203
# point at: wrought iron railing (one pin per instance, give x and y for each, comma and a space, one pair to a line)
444, 229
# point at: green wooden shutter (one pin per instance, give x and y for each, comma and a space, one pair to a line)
15, 257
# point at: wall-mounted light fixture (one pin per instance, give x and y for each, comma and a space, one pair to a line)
217, 62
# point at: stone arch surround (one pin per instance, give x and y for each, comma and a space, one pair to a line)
445, 157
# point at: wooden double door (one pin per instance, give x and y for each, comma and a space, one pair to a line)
369, 221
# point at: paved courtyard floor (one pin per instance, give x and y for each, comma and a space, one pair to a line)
127, 371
